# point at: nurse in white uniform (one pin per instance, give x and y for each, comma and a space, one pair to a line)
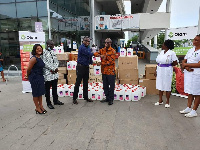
191, 65
164, 71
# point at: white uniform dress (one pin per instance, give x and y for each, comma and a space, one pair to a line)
164, 70
192, 79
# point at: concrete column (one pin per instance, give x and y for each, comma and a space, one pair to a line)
149, 42
155, 41
168, 10
49, 19
199, 23
92, 22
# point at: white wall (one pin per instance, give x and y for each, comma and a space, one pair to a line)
156, 20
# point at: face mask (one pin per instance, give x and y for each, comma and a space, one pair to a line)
49, 48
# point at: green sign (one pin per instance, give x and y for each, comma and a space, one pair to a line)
181, 50
29, 48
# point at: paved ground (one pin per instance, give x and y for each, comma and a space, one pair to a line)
94, 126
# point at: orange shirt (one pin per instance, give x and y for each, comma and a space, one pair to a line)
108, 63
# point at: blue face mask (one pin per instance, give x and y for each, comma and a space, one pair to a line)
49, 48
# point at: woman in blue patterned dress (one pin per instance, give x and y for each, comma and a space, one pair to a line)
35, 76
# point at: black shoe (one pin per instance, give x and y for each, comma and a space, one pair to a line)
103, 101
88, 100
75, 102
50, 106
37, 112
110, 103
59, 103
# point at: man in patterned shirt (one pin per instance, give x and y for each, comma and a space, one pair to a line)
107, 55
51, 74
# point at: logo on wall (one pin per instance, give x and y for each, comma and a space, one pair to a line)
28, 37
171, 34
23, 37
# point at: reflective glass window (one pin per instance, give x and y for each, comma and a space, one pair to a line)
44, 21
6, 1
26, 9
24, 0
41, 5
27, 24
7, 11
9, 25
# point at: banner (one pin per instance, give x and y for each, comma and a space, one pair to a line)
102, 22
182, 33
69, 24
116, 22
181, 50
27, 40
84, 22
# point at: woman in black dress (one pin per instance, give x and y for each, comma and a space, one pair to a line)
35, 76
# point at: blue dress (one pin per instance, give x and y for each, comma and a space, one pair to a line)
36, 78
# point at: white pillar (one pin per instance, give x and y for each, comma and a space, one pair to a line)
49, 19
168, 10
198, 32
155, 41
149, 42
92, 35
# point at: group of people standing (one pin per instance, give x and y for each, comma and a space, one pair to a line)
191, 66
43, 73
107, 55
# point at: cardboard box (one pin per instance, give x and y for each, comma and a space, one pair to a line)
128, 62
91, 74
71, 78
91, 66
62, 70
71, 72
131, 74
116, 72
61, 81
60, 76
92, 80
62, 63
73, 57
92, 77
99, 80
62, 56
127, 81
150, 86
91, 71
150, 68
150, 76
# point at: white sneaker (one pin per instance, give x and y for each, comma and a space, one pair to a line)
186, 110
157, 103
191, 114
167, 105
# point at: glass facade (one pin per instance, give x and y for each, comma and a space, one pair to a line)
69, 21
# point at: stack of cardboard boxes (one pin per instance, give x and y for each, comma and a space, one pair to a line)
71, 77
149, 80
62, 68
95, 71
128, 70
